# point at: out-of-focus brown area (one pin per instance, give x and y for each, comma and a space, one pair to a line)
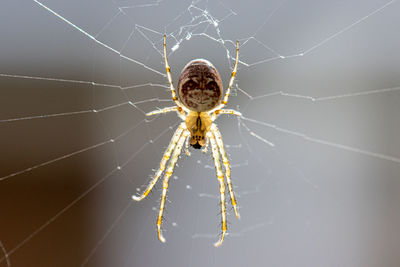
28, 200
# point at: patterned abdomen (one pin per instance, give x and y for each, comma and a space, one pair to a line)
200, 86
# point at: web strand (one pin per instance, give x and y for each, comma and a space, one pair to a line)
94, 39
324, 142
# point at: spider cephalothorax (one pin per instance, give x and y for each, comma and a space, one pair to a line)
198, 124
200, 91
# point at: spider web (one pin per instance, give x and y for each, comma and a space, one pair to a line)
315, 157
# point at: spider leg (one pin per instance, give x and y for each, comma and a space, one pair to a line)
171, 85
218, 112
167, 154
225, 161
221, 181
168, 173
187, 145
205, 149
228, 90
164, 110
178, 110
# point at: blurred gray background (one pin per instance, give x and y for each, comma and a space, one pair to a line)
326, 193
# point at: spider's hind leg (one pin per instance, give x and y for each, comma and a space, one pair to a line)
228, 90
169, 77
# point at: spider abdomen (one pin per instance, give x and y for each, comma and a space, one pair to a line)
200, 86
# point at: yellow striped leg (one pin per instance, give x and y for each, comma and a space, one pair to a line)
187, 145
225, 161
180, 112
167, 155
216, 113
228, 90
164, 110
168, 174
221, 181
171, 85
205, 149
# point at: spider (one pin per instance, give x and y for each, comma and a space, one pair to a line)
200, 91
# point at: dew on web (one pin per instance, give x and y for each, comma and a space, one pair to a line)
314, 156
